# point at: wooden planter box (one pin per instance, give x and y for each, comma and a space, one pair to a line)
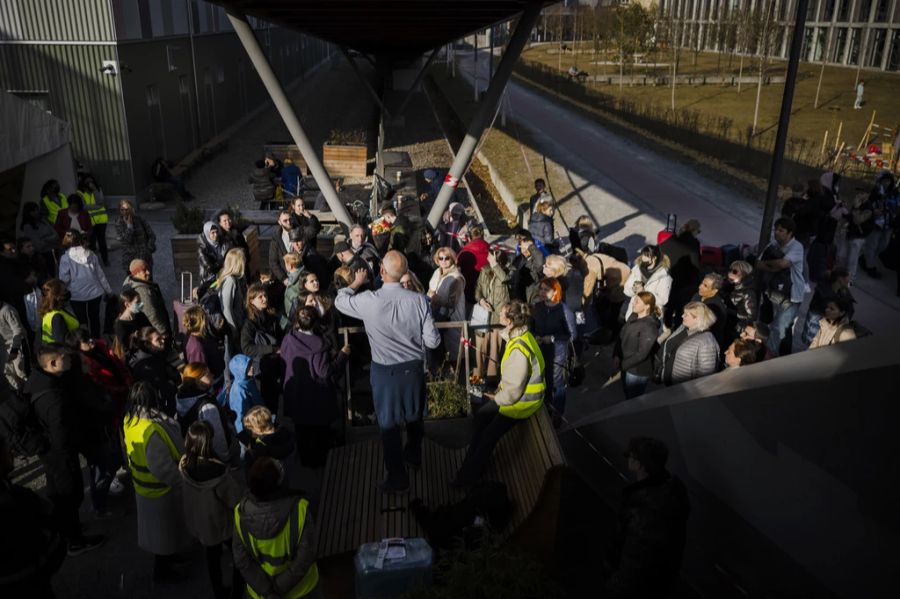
345, 160
184, 254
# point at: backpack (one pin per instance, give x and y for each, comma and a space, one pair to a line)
209, 298
19, 425
191, 416
612, 251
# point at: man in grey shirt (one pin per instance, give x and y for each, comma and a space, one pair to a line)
399, 325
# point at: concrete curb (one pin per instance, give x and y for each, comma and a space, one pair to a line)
505, 194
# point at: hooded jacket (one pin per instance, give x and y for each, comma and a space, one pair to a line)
265, 519
472, 258
244, 394
541, 228
309, 392
210, 255
210, 493
80, 270
154, 369
193, 403
659, 283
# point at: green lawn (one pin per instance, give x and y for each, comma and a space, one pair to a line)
835, 99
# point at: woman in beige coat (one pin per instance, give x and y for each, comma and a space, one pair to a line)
491, 292
836, 326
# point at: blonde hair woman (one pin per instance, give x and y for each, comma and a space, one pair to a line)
691, 351
448, 299
232, 290
137, 239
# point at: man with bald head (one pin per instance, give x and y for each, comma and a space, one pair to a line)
399, 325
141, 280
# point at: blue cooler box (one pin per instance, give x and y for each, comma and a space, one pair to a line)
392, 567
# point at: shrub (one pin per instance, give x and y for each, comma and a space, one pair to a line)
446, 399
187, 220
341, 137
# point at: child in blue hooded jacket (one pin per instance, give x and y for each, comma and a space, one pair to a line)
244, 394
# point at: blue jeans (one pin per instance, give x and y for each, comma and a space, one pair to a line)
634, 384
784, 313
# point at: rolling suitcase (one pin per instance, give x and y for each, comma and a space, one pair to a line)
180, 306
730, 253
392, 567
711, 255
669, 231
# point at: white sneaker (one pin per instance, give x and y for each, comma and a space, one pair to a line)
116, 487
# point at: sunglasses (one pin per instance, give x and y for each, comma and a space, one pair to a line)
444, 258
735, 271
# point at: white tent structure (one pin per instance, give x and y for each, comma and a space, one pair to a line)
34, 146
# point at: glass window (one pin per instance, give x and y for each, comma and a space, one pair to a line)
812, 10
829, 10
865, 7
855, 35
894, 60
881, 11
876, 47
839, 45
127, 15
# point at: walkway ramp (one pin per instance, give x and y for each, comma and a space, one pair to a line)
791, 466
354, 512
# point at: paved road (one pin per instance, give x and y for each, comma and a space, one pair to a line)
628, 189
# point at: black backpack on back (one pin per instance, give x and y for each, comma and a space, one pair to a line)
19, 425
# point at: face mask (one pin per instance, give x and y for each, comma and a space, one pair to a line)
138, 308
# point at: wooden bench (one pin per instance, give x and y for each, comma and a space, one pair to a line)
352, 511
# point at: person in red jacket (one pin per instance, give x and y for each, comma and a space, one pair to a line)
472, 258
75, 218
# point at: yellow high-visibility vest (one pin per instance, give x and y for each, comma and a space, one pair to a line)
53, 208
274, 555
533, 398
137, 434
96, 211
47, 324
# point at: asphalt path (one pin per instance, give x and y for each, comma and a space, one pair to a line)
628, 188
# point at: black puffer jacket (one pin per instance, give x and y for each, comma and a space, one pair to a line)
637, 345
263, 187
265, 519
742, 304
209, 257
649, 540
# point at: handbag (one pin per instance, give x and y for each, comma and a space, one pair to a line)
575, 367
480, 317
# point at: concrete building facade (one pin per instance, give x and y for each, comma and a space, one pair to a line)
137, 79
861, 33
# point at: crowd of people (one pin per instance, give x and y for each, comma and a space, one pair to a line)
214, 414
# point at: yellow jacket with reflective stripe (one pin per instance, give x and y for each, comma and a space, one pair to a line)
274, 555
96, 211
137, 434
53, 208
47, 324
533, 397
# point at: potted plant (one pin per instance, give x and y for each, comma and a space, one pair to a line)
345, 153
188, 223
446, 399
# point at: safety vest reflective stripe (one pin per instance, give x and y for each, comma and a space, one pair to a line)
533, 397
275, 554
96, 211
53, 208
137, 434
47, 324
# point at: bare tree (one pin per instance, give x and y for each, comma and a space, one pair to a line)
763, 49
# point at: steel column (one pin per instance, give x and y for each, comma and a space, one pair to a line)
283, 105
784, 120
485, 110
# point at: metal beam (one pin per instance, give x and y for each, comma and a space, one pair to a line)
364, 81
417, 80
283, 105
784, 119
485, 110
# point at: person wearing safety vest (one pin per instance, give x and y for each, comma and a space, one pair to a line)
519, 396
274, 539
57, 319
154, 446
95, 205
52, 201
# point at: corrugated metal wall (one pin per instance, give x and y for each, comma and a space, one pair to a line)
57, 20
77, 92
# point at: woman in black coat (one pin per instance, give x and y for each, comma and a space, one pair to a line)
260, 339
742, 304
148, 363
637, 345
210, 252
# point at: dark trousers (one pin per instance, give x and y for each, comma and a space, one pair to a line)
88, 314
98, 242
65, 490
490, 426
395, 454
214, 569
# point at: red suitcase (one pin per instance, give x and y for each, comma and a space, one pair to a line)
711, 256
669, 231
